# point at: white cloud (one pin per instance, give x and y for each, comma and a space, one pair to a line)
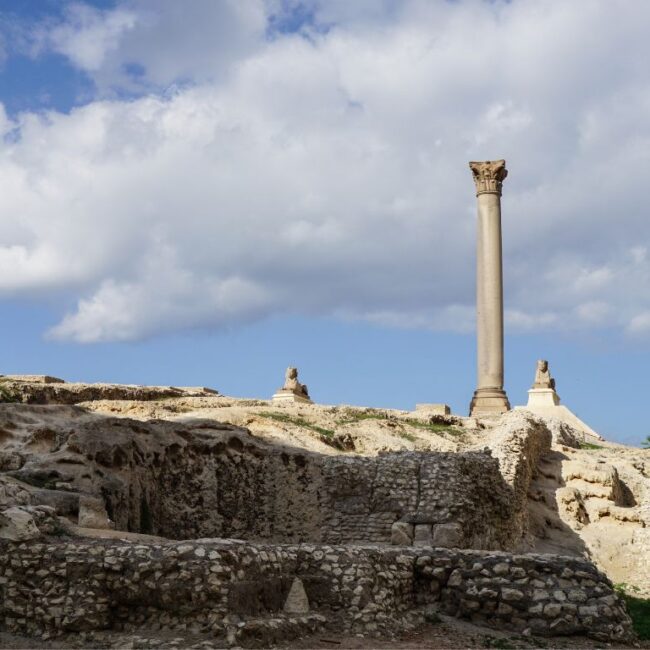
156, 43
90, 36
326, 173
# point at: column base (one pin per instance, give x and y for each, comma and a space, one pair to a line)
489, 401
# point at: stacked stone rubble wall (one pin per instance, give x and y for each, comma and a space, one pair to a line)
241, 490
207, 586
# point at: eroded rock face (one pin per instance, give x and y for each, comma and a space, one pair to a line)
22, 523
207, 479
594, 502
17, 524
50, 390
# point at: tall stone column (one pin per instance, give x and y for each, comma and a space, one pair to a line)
489, 397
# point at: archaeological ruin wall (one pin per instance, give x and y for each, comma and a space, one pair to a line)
205, 479
237, 591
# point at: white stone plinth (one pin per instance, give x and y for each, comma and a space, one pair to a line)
289, 397
434, 409
545, 402
542, 397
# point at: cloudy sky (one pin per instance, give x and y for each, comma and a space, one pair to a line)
204, 191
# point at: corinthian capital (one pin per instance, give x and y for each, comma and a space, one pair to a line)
489, 176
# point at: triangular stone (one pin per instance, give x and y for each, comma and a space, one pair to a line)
297, 601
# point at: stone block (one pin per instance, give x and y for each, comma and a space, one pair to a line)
447, 535
434, 409
401, 534
297, 601
92, 513
422, 535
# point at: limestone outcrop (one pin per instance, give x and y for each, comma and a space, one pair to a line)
31, 389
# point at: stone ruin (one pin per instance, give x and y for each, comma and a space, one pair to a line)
111, 526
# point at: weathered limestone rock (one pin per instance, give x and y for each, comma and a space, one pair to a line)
35, 379
292, 391
401, 534
297, 601
13, 493
17, 524
92, 513
489, 397
447, 535
37, 389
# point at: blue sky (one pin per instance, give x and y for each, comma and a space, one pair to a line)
206, 197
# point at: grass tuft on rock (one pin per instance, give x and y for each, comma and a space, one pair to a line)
638, 609
299, 422
589, 445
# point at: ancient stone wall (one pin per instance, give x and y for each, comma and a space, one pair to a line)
547, 594
237, 590
237, 488
206, 479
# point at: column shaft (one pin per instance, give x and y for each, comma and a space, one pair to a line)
489, 397
489, 293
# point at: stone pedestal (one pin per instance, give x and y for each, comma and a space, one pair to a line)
542, 397
489, 397
289, 397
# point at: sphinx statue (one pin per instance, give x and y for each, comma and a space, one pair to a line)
291, 382
543, 377
292, 390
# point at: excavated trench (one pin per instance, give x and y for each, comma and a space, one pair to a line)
205, 479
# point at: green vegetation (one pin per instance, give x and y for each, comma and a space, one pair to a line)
352, 417
298, 421
646, 443
406, 436
6, 395
433, 427
637, 608
589, 445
